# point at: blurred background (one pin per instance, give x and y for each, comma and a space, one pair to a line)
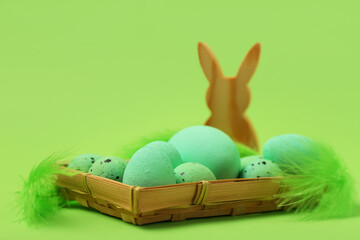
96, 75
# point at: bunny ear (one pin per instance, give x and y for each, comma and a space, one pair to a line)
208, 61
249, 64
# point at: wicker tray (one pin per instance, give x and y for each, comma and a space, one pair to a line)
143, 205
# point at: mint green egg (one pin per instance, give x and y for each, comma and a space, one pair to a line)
193, 172
246, 160
209, 147
83, 162
169, 150
109, 167
149, 167
260, 167
280, 149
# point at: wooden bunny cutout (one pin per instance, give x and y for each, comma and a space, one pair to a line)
229, 97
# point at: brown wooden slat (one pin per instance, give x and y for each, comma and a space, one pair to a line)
150, 199
242, 190
102, 188
172, 202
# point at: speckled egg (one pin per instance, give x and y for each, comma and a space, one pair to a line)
261, 168
279, 148
83, 162
169, 150
246, 160
209, 147
109, 167
149, 167
193, 172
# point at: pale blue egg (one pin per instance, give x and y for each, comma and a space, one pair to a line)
169, 150
259, 168
246, 160
284, 148
149, 167
210, 147
109, 167
83, 162
193, 172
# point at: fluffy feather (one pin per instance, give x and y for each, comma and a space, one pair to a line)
317, 182
245, 150
127, 151
39, 198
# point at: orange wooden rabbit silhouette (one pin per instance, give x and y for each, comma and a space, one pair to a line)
229, 97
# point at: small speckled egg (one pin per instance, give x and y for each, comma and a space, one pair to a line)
261, 168
169, 150
149, 167
109, 167
83, 162
193, 172
279, 148
210, 147
246, 160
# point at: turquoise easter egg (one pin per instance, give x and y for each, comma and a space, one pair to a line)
283, 148
169, 150
209, 147
261, 167
149, 167
193, 172
83, 162
246, 160
109, 167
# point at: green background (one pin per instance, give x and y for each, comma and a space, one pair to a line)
94, 75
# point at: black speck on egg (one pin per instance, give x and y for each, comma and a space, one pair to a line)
107, 160
263, 162
101, 163
257, 176
91, 170
92, 158
258, 163
183, 180
92, 161
252, 164
117, 177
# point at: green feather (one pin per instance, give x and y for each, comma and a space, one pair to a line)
319, 185
245, 150
128, 150
39, 197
